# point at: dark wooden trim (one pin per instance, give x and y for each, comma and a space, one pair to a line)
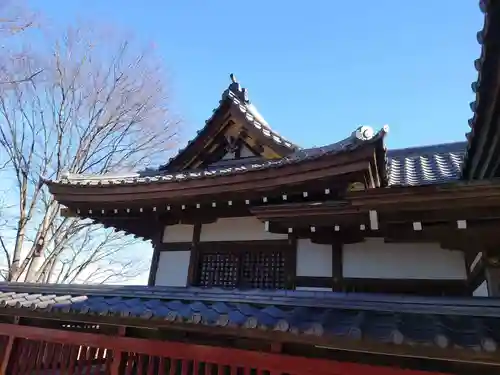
291, 265
157, 241
117, 355
7, 351
176, 246
492, 277
154, 266
195, 255
233, 245
313, 282
237, 152
337, 266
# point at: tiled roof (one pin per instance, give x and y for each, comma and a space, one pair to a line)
487, 35
237, 98
359, 137
426, 165
414, 166
470, 323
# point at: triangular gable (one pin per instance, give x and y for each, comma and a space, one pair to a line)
236, 130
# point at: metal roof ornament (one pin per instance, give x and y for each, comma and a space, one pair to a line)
237, 90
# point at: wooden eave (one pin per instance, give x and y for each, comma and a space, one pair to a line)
439, 208
468, 198
475, 194
358, 162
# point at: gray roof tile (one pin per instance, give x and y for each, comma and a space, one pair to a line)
426, 165
359, 137
415, 166
472, 323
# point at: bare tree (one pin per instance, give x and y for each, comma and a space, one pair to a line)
15, 18
96, 106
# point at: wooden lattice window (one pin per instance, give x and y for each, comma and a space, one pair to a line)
244, 265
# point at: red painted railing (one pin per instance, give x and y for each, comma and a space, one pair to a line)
40, 351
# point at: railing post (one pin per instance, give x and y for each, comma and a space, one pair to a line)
8, 350
117, 355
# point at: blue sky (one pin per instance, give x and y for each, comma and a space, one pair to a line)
315, 69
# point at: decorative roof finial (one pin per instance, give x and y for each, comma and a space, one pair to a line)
236, 89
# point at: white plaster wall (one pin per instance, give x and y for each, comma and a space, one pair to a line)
178, 233
245, 152
237, 229
228, 156
173, 268
482, 290
313, 259
376, 259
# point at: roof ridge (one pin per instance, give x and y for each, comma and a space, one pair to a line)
456, 145
238, 97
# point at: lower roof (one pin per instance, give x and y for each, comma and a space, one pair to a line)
426, 165
470, 324
414, 166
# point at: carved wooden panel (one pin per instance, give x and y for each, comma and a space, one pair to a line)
243, 265
219, 269
263, 270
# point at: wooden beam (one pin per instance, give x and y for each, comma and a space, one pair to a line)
275, 363
155, 258
195, 256
291, 263
337, 266
8, 351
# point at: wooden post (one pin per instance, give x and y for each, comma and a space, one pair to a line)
337, 267
195, 256
291, 262
8, 350
117, 355
157, 242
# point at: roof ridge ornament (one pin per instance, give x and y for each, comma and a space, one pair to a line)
365, 133
237, 90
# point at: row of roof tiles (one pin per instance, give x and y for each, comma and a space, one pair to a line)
359, 137
445, 323
406, 167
